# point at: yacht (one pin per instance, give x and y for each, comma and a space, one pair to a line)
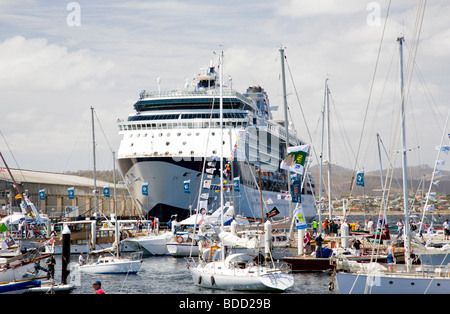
172, 141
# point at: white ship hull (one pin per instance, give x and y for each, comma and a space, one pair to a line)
165, 181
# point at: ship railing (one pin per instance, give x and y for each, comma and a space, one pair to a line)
189, 93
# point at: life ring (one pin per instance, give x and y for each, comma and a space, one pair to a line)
202, 211
179, 239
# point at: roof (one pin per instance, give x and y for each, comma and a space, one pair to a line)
30, 176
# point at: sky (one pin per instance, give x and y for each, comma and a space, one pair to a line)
60, 58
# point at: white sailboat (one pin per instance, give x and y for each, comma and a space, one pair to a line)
375, 278
113, 264
237, 271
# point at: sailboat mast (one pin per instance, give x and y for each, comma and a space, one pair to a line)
330, 206
95, 166
286, 126
404, 163
115, 207
221, 141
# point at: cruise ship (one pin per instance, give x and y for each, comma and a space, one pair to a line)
171, 143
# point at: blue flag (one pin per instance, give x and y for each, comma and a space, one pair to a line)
236, 184
42, 195
145, 188
186, 185
296, 195
71, 192
106, 191
360, 178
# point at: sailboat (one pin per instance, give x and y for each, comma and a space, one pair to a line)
375, 277
113, 263
238, 271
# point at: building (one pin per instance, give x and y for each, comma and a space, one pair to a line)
56, 202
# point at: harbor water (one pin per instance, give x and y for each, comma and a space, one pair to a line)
169, 275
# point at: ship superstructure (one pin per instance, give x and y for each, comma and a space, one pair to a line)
173, 137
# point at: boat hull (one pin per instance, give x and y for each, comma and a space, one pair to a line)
349, 283
155, 245
182, 249
222, 281
166, 196
113, 267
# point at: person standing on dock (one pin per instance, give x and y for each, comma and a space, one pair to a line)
319, 241
315, 225
51, 262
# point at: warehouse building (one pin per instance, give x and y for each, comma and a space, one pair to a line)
60, 195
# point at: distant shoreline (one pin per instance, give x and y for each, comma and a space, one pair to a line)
395, 212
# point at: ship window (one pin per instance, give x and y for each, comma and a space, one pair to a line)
192, 152
180, 152
168, 134
214, 152
160, 134
213, 133
184, 143
167, 143
178, 134
198, 133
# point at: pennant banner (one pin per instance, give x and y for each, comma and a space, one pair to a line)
236, 184
71, 193
360, 178
186, 186
106, 191
299, 215
145, 188
42, 195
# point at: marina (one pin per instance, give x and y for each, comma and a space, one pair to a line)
249, 159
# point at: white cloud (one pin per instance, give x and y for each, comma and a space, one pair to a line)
34, 64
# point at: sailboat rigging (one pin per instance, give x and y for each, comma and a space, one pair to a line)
237, 271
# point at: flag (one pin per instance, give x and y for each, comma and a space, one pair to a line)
438, 172
306, 239
210, 170
204, 196
443, 148
269, 201
207, 184
299, 215
431, 196
430, 208
106, 191
42, 195
3, 228
436, 183
236, 184
360, 178
186, 185
273, 212
71, 193
295, 159
440, 162
295, 191
145, 188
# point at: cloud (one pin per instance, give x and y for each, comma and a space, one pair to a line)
34, 64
